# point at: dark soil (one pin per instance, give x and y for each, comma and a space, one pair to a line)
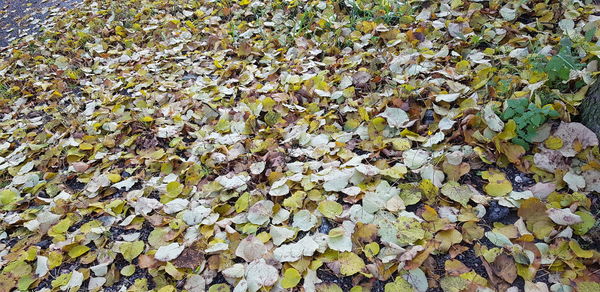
474, 180
74, 184
469, 259
219, 279
325, 226
496, 212
64, 268
327, 276
520, 181
9, 241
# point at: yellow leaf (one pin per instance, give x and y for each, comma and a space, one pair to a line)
351, 263
371, 249
114, 177
291, 278
78, 250
580, 252
330, 209
86, 146
128, 270
119, 30
174, 188
242, 202
379, 123
498, 184
147, 119
190, 24
363, 113
553, 143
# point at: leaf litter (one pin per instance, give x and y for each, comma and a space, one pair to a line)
301, 146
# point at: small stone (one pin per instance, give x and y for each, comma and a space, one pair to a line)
496, 212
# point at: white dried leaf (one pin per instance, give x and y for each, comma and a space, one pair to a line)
175, 205
507, 13
491, 119
279, 188
446, 124
196, 215
168, 252
358, 214
395, 117
343, 242
436, 176
416, 277
368, 170
280, 234
447, 97
434, 139
195, 283
592, 179
260, 212
232, 182
519, 53
235, 271
251, 248
571, 132
242, 286
280, 216
96, 283
304, 220
375, 201
337, 180
145, 205
41, 266
74, 282
259, 274
415, 158
575, 182
258, 167
563, 216
294, 251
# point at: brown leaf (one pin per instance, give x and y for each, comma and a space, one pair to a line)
455, 172
455, 267
189, 258
504, 266
80, 166
421, 257
146, 261
365, 232
361, 78
457, 249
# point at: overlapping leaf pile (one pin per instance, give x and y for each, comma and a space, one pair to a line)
305, 146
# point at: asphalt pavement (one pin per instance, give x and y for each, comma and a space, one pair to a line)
19, 18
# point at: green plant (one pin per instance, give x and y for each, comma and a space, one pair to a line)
380, 11
559, 66
3, 90
528, 118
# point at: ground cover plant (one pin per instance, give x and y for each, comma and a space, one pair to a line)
301, 146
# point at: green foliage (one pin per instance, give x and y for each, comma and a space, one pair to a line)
547, 96
559, 66
380, 11
4, 91
528, 118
